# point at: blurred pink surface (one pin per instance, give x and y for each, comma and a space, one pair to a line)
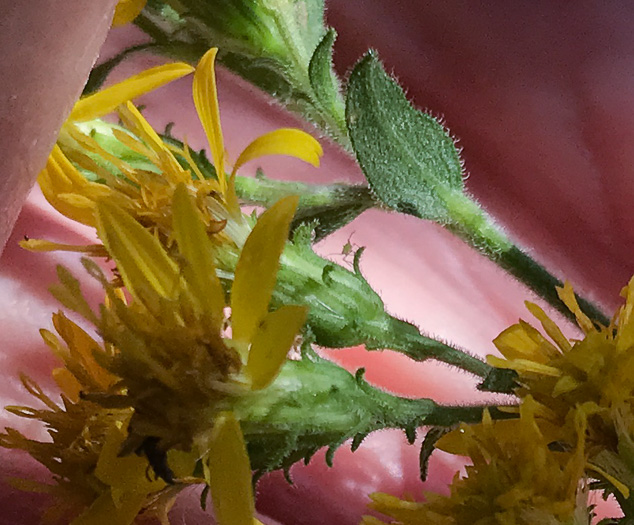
539, 96
41, 77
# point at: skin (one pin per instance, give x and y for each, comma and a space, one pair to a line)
540, 97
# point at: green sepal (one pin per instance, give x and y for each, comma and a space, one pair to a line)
427, 448
324, 80
501, 380
408, 158
315, 403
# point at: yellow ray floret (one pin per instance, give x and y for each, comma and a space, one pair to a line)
291, 142
146, 269
105, 101
257, 268
205, 96
126, 11
194, 246
68, 191
285, 141
228, 473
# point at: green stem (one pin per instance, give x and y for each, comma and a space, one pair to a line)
406, 338
328, 207
472, 224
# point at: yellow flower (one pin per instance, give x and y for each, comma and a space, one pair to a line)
149, 196
126, 11
515, 479
62, 184
177, 371
594, 374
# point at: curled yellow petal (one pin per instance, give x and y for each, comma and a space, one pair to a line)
206, 101
145, 267
165, 160
228, 473
256, 271
271, 344
196, 248
107, 100
126, 11
62, 185
285, 141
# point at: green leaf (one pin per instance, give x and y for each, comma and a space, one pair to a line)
408, 158
323, 78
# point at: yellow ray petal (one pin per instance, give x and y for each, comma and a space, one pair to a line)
195, 246
60, 180
257, 267
136, 123
42, 245
271, 344
229, 473
567, 296
549, 327
145, 267
206, 102
285, 141
126, 11
106, 100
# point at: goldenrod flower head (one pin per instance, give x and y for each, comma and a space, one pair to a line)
515, 479
62, 184
176, 370
147, 193
165, 376
594, 374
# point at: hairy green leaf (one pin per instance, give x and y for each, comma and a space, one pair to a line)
407, 156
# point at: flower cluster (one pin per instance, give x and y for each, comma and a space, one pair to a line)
576, 423
174, 358
514, 479
204, 304
593, 376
